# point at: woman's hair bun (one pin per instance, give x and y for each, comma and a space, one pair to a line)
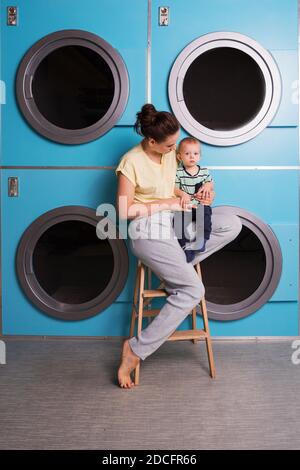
148, 110
146, 117
155, 124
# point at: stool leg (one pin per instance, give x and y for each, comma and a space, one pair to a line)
208, 340
140, 318
194, 314
206, 329
194, 322
135, 301
149, 286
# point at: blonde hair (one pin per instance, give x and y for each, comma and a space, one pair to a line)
186, 140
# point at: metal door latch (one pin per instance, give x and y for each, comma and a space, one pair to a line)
163, 16
12, 16
13, 186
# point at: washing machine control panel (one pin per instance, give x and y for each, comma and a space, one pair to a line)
163, 16
13, 186
12, 16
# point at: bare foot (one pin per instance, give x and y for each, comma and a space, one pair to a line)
128, 364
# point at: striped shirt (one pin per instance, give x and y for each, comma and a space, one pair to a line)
187, 182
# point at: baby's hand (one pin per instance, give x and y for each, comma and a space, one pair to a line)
185, 199
205, 190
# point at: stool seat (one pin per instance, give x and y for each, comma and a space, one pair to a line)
142, 298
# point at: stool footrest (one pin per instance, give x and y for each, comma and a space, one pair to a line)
187, 335
154, 293
151, 312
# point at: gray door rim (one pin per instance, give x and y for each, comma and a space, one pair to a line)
36, 293
268, 67
271, 277
33, 58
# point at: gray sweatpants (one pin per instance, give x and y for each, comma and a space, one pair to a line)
163, 254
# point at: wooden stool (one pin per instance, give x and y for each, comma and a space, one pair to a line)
142, 298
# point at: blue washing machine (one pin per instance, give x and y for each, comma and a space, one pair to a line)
231, 77
252, 283
60, 276
75, 77
230, 72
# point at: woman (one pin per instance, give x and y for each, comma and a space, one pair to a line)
146, 194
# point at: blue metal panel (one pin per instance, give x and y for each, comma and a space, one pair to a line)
30, 149
273, 23
24, 319
276, 146
273, 319
288, 287
287, 114
124, 28
270, 195
107, 150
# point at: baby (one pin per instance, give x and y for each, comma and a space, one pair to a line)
192, 179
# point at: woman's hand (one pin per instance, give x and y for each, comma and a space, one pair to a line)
175, 204
205, 200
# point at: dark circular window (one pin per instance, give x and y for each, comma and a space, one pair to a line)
66, 269
71, 264
72, 86
222, 271
224, 88
243, 275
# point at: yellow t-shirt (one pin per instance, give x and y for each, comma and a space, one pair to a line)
151, 180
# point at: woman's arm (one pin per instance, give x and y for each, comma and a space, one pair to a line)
178, 192
128, 209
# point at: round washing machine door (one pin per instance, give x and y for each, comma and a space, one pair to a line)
243, 275
67, 268
224, 88
72, 86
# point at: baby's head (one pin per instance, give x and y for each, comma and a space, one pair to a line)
188, 151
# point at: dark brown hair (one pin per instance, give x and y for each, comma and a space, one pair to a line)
154, 124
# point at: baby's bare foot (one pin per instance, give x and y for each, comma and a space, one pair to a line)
128, 363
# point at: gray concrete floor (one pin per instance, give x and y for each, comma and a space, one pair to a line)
63, 394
